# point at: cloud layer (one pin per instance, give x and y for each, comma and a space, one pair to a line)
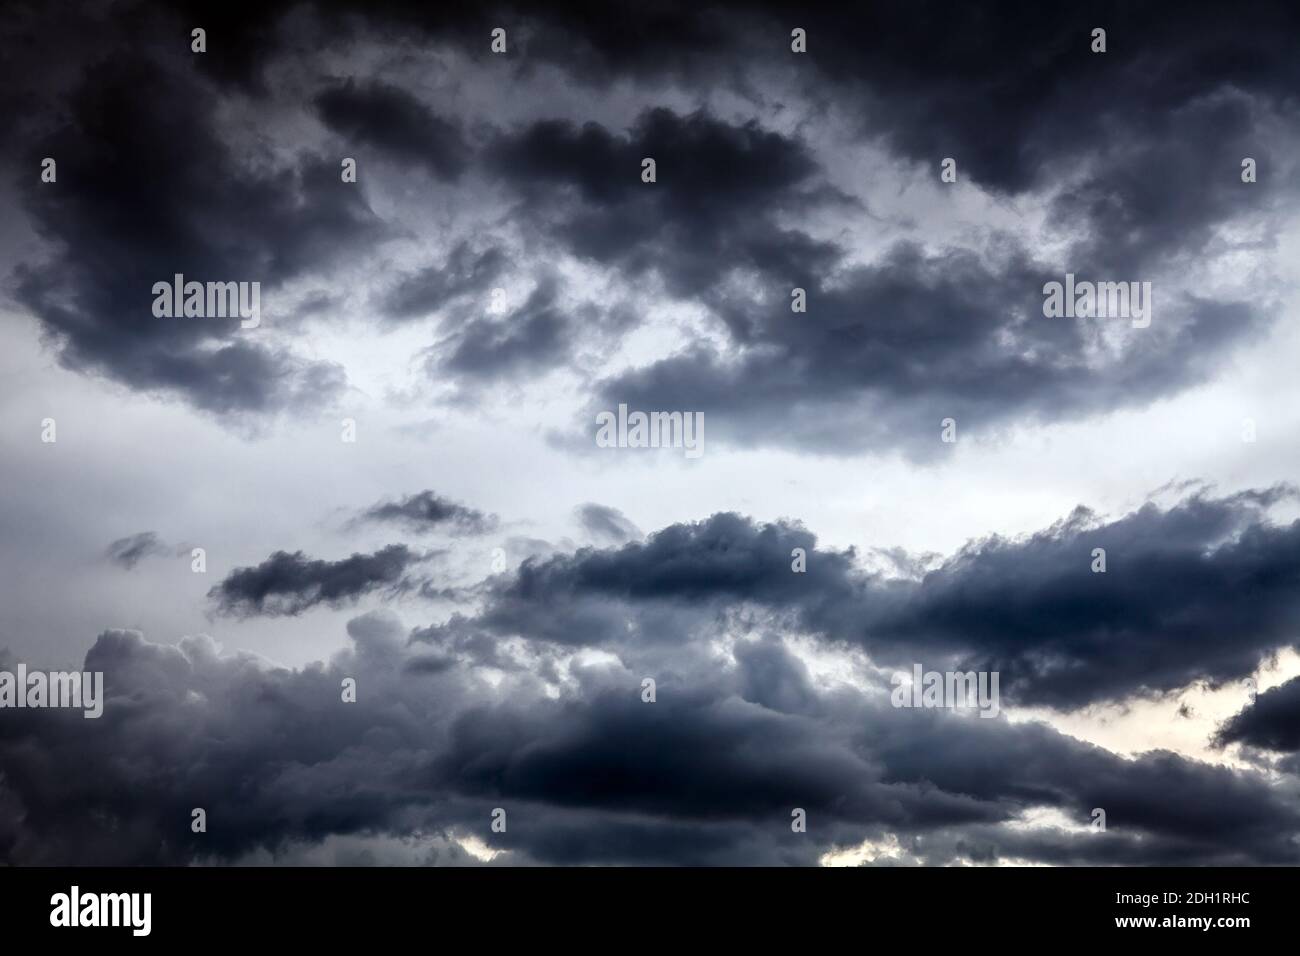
495, 710
714, 648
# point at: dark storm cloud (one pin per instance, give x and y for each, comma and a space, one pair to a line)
1007, 121
886, 352
551, 328
608, 525
707, 774
291, 583
532, 339
934, 91
465, 273
588, 39
663, 592
1272, 722
129, 551
185, 728
429, 511
250, 39
396, 123
148, 188
1131, 210
924, 80
710, 212
1074, 777
1114, 143
935, 53
766, 741
1202, 590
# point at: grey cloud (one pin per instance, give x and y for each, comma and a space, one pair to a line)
706, 775
291, 583
607, 525
886, 352
895, 346
1133, 158
466, 272
372, 113
429, 511
1114, 143
146, 194
129, 551
710, 212
1198, 591
531, 339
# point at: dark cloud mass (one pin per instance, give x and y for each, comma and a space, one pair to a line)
900, 344
465, 272
291, 583
705, 775
740, 730
1272, 722
1111, 145
1204, 590
498, 272
718, 187
887, 352
144, 195
396, 123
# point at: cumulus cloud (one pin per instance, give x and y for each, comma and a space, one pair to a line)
742, 212
1195, 592
494, 708
144, 195
775, 171
706, 774
1271, 722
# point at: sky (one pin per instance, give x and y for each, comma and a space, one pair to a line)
393, 480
